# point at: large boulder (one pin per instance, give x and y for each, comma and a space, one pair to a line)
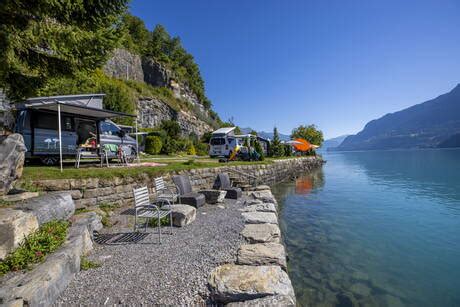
237, 283
48, 207
260, 218
182, 215
262, 254
261, 233
15, 225
12, 154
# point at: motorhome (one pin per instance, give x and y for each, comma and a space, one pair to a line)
83, 122
223, 141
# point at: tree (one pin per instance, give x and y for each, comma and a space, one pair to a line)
171, 127
309, 133
136, 35
259, 150
276, 146
45, 38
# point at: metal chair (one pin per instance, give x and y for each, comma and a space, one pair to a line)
145, 209
163, 192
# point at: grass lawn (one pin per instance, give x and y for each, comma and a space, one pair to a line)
38, 172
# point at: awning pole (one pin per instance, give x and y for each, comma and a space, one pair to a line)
137, 144
60, 137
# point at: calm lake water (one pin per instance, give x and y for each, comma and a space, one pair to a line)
375, 229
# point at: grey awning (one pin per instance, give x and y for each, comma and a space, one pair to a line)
74, 109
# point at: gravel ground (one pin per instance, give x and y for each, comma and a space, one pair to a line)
173, 273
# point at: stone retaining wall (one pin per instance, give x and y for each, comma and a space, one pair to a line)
94, 191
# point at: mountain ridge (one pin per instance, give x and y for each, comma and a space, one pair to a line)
424, 125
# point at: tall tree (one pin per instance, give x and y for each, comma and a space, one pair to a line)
136, 36
276, 147
47, 38
309, 133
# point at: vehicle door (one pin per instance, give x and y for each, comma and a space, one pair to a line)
109, 133
46, 135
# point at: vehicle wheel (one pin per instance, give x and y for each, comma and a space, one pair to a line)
49, 160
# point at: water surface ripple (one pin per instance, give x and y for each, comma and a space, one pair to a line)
375, 229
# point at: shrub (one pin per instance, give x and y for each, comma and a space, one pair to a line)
171, 127
86, 264
153, 145
170, 146
201, 149
191, 149
36, 246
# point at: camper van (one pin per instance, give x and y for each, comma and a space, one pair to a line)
83, 121
223, 141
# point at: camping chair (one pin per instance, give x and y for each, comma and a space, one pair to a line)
186, 194
223, 182
163, 192
144, 209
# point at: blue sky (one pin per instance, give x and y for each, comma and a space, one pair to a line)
336, 64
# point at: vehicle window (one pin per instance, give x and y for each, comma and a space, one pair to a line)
49, 121
218, 141
231, 140
107, 128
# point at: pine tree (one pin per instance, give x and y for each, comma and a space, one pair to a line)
276, 146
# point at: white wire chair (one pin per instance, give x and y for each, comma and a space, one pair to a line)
163, 192
145, 209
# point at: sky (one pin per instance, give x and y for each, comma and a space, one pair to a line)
335, 64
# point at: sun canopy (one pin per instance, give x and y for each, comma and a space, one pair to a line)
89, 105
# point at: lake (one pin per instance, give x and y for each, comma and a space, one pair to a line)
377, 228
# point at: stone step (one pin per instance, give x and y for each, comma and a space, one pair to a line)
236, 283
260, 218
261, 233
262, 254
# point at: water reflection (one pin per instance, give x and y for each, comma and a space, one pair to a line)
304, 184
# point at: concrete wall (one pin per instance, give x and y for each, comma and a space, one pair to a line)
95, 191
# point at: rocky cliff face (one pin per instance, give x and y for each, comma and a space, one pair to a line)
124, 65
152, 111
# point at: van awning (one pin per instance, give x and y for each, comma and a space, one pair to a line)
74, 109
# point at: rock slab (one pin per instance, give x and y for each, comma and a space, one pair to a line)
261, 233
260, 218
42, 285
237, 283
12, 154
48, 207
15, 225
262, 207
183, 215
262, 254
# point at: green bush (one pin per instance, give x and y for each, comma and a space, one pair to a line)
191, 149
201, 149
153, 145
35, 247
170, 146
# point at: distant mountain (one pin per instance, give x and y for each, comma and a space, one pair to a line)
334, 142
434, 123
267, 135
